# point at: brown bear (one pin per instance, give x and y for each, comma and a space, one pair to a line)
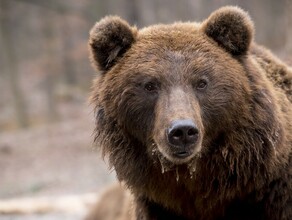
195, 118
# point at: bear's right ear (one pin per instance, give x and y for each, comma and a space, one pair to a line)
109, 39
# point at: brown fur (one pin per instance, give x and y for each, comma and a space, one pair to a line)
240, 167
114, 204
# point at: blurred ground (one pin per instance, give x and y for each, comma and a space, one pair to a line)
42, 217
51, 161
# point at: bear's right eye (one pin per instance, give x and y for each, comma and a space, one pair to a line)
151, 87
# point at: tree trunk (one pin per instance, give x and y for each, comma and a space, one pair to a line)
51, 65
6, 29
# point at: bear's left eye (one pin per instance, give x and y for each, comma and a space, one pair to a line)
202, 84
151, 87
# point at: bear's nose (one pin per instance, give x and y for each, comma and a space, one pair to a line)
182, 133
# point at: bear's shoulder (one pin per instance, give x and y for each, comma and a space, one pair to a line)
278, 72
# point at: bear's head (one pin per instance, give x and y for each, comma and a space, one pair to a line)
178, 92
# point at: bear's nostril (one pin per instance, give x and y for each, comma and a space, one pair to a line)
182, 133
178, 134
192, 132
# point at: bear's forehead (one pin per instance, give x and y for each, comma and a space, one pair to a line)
175, 28
171, 36
176, 48
168, 63
179, 41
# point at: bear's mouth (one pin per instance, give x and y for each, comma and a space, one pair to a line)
173, 155
172, 163
182, 154
169, 160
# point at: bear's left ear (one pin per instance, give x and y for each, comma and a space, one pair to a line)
231, 28
109, 39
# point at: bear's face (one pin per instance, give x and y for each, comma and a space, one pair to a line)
176, 89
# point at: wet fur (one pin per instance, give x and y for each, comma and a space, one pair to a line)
243, 170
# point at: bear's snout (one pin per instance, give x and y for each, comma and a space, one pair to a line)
181, 135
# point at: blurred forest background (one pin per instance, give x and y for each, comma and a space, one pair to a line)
45, 78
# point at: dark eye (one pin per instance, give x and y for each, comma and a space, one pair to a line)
202, 84
150, 87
